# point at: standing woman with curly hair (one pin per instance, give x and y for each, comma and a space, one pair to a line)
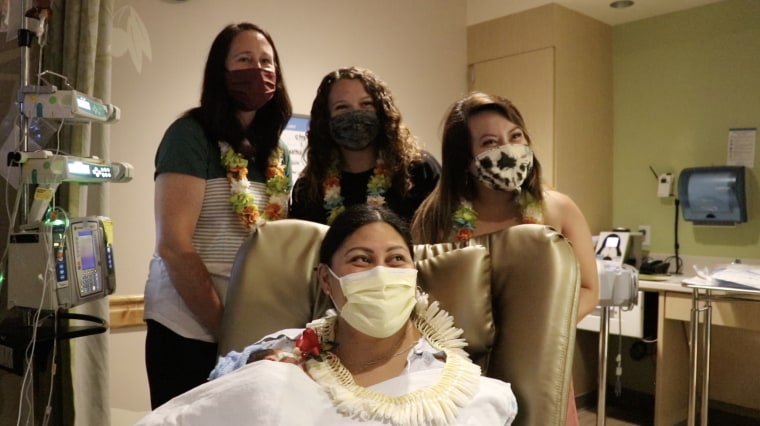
360, 151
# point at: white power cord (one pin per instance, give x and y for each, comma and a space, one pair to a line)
619, 357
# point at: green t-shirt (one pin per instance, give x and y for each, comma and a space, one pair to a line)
219, 231
185, 149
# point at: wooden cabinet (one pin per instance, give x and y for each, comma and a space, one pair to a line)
556, 66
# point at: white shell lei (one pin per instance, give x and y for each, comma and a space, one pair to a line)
435, 405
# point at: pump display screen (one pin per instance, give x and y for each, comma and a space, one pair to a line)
86, 249
612, 242
83, 103
89, 170
92, 106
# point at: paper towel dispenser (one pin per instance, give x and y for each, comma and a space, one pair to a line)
713, 195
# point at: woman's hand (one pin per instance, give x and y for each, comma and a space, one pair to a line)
178, 202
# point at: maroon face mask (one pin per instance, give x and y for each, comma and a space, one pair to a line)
251, 88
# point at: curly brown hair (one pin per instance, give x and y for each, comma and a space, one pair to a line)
395, 143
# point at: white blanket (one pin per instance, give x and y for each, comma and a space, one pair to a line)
275, 393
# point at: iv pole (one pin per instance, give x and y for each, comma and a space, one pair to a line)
40, 10
631, 289
25, 39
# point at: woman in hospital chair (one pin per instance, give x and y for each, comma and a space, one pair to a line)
384, 356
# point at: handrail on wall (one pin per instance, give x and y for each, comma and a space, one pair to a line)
126, 311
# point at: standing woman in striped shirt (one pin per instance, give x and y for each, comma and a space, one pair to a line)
221, 170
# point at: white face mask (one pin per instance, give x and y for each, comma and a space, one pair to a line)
378, 301
504, 168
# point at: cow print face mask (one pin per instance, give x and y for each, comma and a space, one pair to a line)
504, 168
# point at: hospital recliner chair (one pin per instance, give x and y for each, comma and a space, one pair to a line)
514, 293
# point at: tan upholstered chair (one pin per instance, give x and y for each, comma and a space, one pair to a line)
515, 294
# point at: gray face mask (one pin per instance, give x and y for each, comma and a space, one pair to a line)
355, 130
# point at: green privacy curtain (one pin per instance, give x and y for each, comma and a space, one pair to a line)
78, 47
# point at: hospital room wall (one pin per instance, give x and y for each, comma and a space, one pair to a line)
159, 51
681, 81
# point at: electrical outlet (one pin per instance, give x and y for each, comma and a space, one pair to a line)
646, 231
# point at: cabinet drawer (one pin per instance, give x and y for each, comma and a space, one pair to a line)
729, 313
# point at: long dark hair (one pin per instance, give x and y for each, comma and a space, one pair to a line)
432, 221
354, 218
395, 144
217, 113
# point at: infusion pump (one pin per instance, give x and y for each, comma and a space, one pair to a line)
71, 105
61, 264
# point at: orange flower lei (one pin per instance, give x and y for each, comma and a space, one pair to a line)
277, 187
376, 188
464, 216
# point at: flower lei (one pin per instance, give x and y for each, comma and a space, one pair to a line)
376, 188
437, 404
277, 187
464, 221
464, 216
309, 346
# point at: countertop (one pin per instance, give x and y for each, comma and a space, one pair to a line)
663, 283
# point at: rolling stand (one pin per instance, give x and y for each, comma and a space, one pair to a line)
618, 286
22, 342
